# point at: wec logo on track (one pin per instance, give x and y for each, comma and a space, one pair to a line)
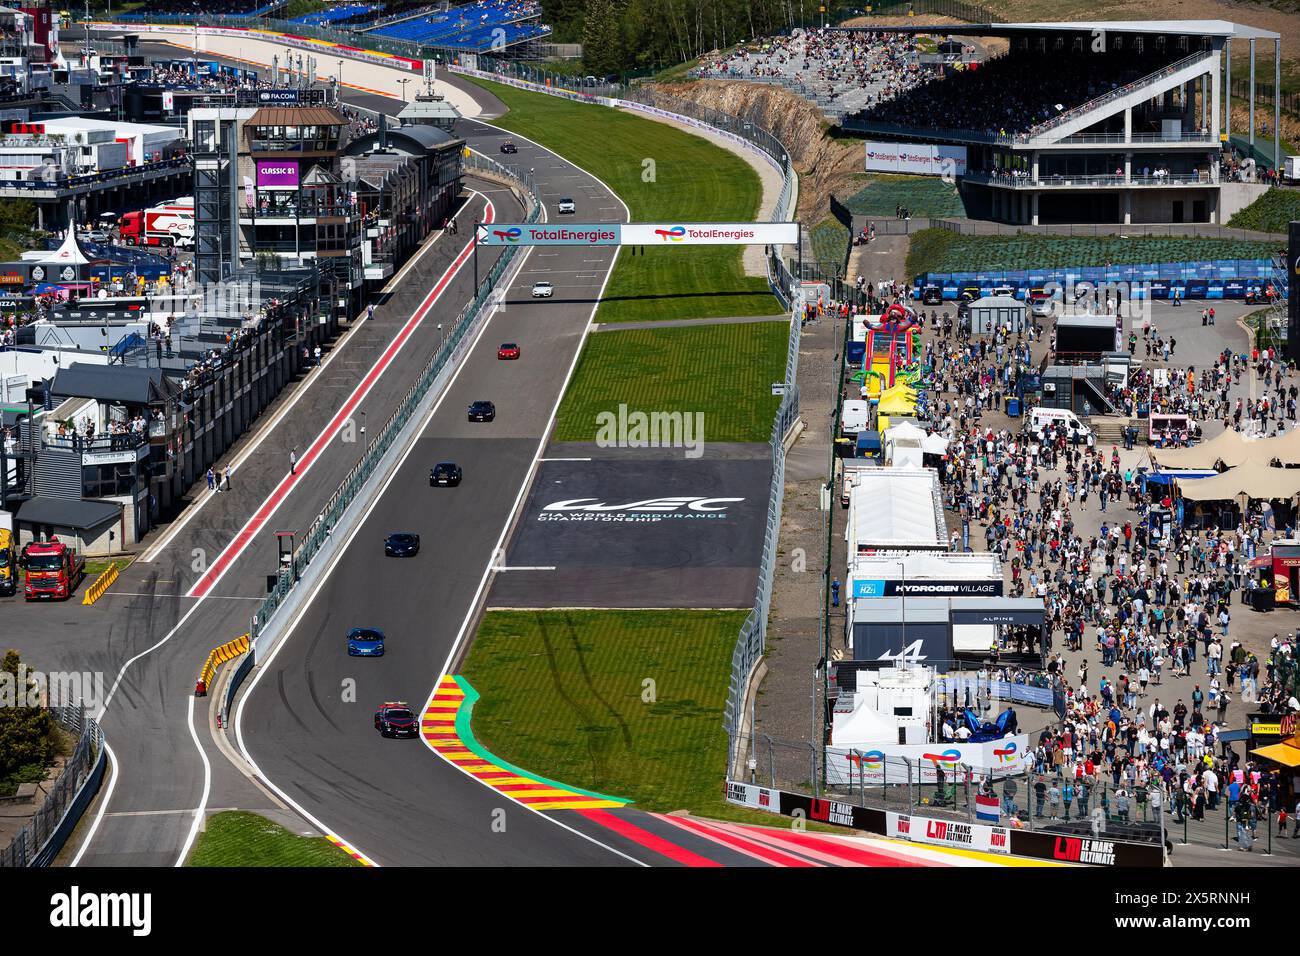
647, 509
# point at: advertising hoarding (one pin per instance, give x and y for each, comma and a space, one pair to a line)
277, 173
922, 159
639, 234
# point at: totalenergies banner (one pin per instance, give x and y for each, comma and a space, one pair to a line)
876, 766
925, 159
711, 234
639, 234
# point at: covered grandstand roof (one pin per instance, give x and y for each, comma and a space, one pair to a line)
1211, 28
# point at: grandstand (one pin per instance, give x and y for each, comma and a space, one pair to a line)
342, 13
472, 27
1099, 122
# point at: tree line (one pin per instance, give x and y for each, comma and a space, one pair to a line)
627, 35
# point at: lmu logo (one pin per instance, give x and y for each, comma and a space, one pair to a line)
1077, 850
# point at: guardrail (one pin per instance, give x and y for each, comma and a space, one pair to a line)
39, 842
350, 487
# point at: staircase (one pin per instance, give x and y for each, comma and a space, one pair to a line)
1109, 428
58, 473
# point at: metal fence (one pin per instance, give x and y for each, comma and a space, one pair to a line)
43, 836
455, 344
887, 225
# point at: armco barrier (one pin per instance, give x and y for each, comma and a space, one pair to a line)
102, 583
39, 842
456, 345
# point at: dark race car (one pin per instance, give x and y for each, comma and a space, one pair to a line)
402, 544
482, 412
365, 642
395, 719
509, 147
508, 351
445, 473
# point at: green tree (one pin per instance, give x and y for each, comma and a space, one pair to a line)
602, 46
26, 733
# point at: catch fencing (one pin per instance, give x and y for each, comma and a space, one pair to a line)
39, 842
455, 345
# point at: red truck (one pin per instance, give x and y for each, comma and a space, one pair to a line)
171, 223
53, 569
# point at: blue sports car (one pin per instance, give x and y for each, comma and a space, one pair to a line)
365, 642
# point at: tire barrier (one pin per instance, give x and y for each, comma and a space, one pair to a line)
102, 584
218, 656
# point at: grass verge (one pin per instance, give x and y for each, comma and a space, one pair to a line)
938, 250
664, 175
724, 371
1271, 212
627, 703
240, 838
98, 566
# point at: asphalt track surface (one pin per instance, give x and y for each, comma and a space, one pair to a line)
395, 801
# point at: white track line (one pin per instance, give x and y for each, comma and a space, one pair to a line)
263, 667
172, 633
179, 524
207, 790
523, 489
103, 806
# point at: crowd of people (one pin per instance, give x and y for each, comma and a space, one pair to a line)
1013, 93
861, 69
1147, 608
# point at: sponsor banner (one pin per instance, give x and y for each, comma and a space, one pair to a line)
277, 173
279, 97
756, 798
109, 457
1085, 851
875, 766
550, 234
674, 507
711, 234
269, 36
969, 836
638, 234
832, 812
876, 588
997, 689
921, 159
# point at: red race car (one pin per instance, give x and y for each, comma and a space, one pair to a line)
508, 350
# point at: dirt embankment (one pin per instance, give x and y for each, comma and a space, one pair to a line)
824, 164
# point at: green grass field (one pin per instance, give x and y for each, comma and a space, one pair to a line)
565, 693
664, 175
724, 371
1270, 212
938, 250
830, 243
924, 196
239, 838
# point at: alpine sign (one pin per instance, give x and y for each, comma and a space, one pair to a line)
639, 234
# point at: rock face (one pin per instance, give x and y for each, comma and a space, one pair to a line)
824, 163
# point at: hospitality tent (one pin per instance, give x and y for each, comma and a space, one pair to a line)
1252, 479
899, 400
1232, 449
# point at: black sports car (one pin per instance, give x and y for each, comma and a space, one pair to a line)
446, 473
395, 719
402, 544
482, 412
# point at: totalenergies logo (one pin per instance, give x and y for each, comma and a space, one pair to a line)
871, 760
509, 235
675, 234
948, 756
1005, 754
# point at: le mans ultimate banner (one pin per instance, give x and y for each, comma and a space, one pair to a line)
1293, 299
